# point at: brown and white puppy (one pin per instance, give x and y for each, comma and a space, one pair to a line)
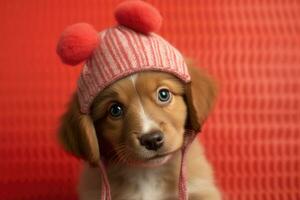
138, 126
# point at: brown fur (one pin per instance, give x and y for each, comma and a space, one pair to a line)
118, 138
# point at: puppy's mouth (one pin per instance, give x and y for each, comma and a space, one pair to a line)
154, 161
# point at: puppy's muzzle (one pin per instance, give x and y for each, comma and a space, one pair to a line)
152, 141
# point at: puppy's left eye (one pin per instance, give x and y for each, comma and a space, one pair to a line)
164, 95
116, 110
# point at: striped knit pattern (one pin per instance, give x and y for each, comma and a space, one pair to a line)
123, 52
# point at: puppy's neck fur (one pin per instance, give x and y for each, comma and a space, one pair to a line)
160, 183
132, 183
143, 181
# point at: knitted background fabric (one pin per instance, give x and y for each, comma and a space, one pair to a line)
251, 47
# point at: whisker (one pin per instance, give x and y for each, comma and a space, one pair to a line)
120, 153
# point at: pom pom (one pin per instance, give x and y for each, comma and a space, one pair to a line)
77, 43
139, 16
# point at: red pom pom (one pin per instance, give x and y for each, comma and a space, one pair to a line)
139, 16
77, 43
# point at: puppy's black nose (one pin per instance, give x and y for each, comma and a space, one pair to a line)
152, 141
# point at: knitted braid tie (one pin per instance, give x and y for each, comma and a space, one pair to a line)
182, 187
105, 188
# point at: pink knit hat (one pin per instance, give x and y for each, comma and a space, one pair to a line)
117, 52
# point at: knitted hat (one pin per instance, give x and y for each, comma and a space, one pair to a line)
117, 52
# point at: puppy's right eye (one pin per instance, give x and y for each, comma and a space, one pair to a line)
115, 110
164, 96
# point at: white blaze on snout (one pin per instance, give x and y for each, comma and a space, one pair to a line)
147, 123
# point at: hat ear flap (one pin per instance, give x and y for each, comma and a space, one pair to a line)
77, 134
200, 97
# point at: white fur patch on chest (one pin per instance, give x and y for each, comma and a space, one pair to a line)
148, 183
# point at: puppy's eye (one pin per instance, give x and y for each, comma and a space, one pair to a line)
164, 95
115, 110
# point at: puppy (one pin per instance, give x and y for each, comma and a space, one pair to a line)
139, 123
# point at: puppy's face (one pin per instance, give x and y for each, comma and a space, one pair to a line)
138, 120
142, 117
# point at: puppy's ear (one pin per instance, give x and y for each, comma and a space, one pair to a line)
200, 97
77, 134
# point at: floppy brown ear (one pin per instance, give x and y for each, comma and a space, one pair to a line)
200, 97
77, 134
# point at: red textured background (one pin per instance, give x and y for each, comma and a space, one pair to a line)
251, 47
